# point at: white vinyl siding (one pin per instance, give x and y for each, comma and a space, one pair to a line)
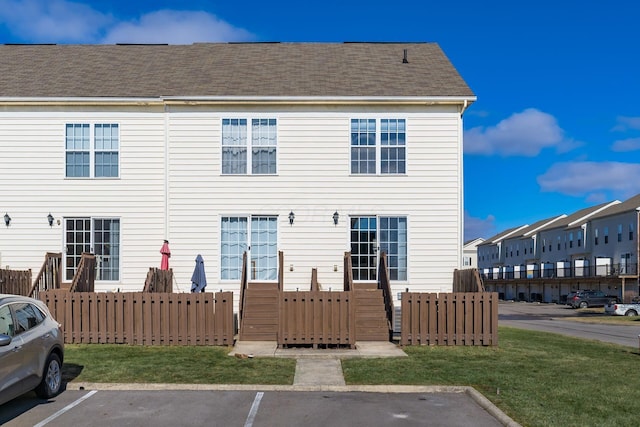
35, 166
185, 205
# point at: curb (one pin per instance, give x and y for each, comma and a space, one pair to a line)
477, 397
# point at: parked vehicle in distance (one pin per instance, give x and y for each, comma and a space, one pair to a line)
621, 309
588, 298
31, 349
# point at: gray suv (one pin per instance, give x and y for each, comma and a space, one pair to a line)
31, 349
584, 299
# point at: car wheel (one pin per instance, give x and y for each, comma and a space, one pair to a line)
51, 378
583, 304
631, 313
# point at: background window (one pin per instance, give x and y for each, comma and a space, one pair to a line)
236, 137
100, 236
86, 155
107, 145
234, 146
234, 244
78, 152
389, 235
392, 141
257, 235
263, 146
363, 146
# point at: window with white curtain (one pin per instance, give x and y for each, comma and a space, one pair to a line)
236, 138
257, 235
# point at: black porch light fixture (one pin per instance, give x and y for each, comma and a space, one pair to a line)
292, 216
7, 219
50, 219
336, 217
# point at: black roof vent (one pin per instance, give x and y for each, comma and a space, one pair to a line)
405, 60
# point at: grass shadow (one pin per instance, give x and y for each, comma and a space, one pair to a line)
71, 371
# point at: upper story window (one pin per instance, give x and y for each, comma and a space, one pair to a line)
383, 139
619, 232
580, 238
236, 138
92, 150
606, 235
595, 236
631, 228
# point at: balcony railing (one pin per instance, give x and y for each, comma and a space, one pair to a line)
554, 272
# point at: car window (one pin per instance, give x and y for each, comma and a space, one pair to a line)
6, 321
27, 316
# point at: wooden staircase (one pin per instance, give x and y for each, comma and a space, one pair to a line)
371, 317
260, 315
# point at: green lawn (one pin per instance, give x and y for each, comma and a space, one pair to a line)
537, 378
176, 364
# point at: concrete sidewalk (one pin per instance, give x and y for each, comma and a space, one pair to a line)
362, 349
317, 367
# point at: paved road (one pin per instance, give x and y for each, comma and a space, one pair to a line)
554, 318
245, 408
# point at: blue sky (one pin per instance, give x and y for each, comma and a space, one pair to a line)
556, 127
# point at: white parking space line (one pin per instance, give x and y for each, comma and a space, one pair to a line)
65, 409
254, 409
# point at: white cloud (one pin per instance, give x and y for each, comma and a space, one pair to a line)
478, 227
625, 123
592, 179
175, 27
52, 21
61, 21
522, 134
623, 145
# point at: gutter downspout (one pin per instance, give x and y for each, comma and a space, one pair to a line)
461, 237
166, 172
465, 105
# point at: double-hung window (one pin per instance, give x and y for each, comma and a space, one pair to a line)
249, 149
369, 236
257, 235
100, 236
92, 150
378, 146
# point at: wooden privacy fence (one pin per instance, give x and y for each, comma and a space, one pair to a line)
449, 319
158, 280
143, 318
17, 282
467, 280
316, 318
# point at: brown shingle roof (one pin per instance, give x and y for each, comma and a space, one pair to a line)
229, 69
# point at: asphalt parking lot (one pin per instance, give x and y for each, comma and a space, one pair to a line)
246, 408
561, 319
